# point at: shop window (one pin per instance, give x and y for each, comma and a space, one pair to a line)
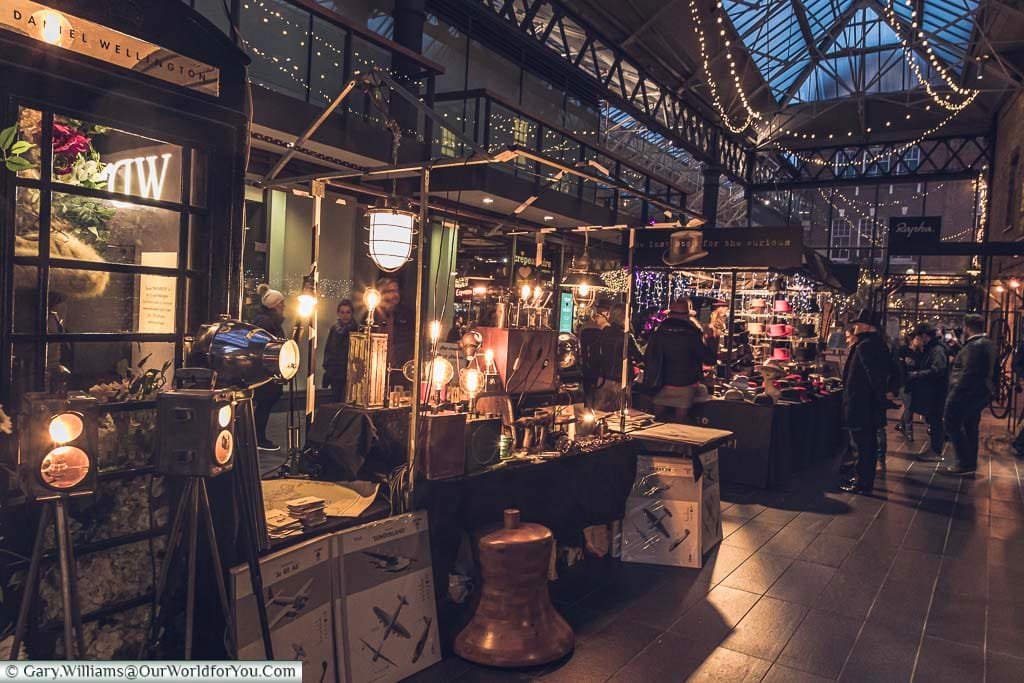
841, 233
449, 143
99, 273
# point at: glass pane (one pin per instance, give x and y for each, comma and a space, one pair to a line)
327, 70
92, 229
106, 158
199, 179
26, 221
199, 243
30, 123
117, 371
126, 438
26, 286
275, 34
97, 301
23, 369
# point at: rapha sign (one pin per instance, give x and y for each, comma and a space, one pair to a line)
914, 235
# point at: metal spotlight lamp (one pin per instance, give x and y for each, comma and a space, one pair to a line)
244, 356
584, 282
308, 297
392, 227
59, 459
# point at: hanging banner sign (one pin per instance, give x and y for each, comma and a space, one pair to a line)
88, 38
914, 236
740, 248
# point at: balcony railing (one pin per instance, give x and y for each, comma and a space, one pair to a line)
494, 123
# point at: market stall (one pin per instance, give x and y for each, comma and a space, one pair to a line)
763, 301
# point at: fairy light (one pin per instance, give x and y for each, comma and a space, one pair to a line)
710, 80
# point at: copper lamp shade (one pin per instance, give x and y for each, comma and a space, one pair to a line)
514, 623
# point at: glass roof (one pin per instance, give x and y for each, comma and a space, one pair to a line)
853, 48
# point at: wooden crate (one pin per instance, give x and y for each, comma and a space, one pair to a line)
367, 369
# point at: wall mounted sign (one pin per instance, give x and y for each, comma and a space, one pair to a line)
88, 38
776, 248
914, 235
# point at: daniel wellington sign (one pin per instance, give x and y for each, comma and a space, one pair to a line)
88, 38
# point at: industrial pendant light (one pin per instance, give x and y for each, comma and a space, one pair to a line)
391, 229
583, 282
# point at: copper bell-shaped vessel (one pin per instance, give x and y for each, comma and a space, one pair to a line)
515, 623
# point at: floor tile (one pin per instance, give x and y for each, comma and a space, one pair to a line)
782, 674
758, 572
790, 542
811, 521
596, 658
882, 654
867, 558
667, 658
661, 607
902, 603
711, 619
850, 526
941, 660
964, 577
1006, 583
958, 619
1005, 627
777, 516
723, 560
802, 583
729, 666
746, 510
915, 566
1000, 668
830, 550
753, 534
821, 644
766, 628
849, 594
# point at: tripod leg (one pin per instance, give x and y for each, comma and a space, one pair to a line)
250, 528
64, 560
165, 569
31, 582
218, 570
76, 603
193, 534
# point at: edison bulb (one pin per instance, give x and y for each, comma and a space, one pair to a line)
307, 304
472, 381
435, 331
524, 293
371, 298
584, 290
66, 427
538, 292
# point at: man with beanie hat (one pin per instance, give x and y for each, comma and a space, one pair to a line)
269, 317
866, 379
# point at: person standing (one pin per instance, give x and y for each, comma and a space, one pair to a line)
927, 383
970, 389
270, 317
909, 355
607, 356
590, 350
674, 360
396, 321
866, 379
336, 351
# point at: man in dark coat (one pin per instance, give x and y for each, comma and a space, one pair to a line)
970, 389
866, 379
674, 360
396, 321
927, 383
336, 351
270, 317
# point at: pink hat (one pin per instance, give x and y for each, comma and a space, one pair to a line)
780, 330
782, 306
780, 354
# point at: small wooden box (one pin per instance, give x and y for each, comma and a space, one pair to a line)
367, 369
442, 446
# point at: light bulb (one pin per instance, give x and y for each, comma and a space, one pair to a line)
538, 292
584, 290
1000, 289
524, 293
66, 427
489, 359
435, 331
1014, 283
371, 298
307, 304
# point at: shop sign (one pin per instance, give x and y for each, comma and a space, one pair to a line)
88, 38
778, 248
915, 235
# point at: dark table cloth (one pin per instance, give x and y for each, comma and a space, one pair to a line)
772, 442
564, 494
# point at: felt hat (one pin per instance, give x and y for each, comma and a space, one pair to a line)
781, 354
782, 306
684, 246
780, 330
757, 304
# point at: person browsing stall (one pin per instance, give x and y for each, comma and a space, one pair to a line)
394, 320
866, 378
674, 360
336, 351
970, 389
270, 317
927, 384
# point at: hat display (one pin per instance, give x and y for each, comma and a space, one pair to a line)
703, 395
782, 306
684, 246
780, 330
733, 395
781, 354
772, 372
757, 305
755, 328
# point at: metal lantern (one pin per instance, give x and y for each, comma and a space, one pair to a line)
391, 227
584, 283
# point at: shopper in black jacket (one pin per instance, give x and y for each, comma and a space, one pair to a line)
336, 351
674, 360
970, 389
928, 385
866, 380
270, 317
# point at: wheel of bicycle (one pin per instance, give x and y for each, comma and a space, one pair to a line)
999, 406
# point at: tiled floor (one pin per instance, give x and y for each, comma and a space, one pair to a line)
923, 582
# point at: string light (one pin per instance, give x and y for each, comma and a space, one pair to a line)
710, 80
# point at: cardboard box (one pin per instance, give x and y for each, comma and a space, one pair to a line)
299, 595
385, 611
670, 518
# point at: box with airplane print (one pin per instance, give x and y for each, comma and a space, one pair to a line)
385, 609
299, 595
672, 518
